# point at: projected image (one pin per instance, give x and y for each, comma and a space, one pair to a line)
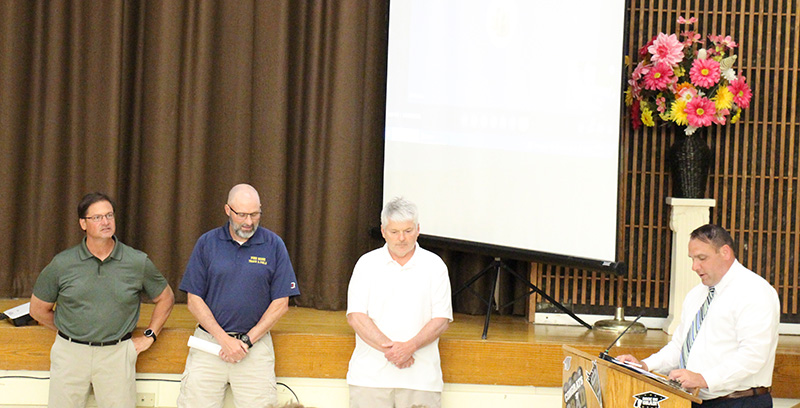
507, 112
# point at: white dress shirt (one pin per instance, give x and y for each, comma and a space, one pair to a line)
735, 347
400, 300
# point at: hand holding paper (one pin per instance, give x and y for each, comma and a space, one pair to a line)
204, 345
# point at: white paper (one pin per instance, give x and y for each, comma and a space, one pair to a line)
204, 345
18, 311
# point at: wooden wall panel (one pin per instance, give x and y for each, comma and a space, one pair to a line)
754, 177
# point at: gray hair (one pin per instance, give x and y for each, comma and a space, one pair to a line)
399, 209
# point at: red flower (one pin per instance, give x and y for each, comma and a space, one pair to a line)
643, 51
636, 115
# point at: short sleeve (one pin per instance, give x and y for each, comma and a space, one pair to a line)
284, 281
154, 281
442, 305
194, 277
358, 289
46, 286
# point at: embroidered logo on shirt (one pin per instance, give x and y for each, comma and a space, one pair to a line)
258, 260
292, 285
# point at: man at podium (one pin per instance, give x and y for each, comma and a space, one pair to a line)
726, 340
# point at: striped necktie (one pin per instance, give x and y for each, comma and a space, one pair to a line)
692, 334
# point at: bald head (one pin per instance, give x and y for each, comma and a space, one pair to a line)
244, 211
243, 194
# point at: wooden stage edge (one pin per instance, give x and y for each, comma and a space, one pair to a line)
317, 344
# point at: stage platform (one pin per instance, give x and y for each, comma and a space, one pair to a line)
317, 344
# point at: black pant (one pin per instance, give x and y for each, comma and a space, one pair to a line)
758, 401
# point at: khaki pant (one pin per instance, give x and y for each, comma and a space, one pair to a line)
77, 368
207, 376
368, 397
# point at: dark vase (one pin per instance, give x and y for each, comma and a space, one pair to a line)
689, 161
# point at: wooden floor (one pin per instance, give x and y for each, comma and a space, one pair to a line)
317, 344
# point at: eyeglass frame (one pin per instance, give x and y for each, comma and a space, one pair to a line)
99, 217
253, 215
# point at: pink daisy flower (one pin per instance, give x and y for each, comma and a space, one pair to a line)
704, 73
700, 112
666, 49
741, 92
658, 78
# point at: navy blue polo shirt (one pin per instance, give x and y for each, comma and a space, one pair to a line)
238, 282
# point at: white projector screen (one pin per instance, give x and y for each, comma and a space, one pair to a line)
502, 120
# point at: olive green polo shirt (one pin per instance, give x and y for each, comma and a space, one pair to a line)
98, 300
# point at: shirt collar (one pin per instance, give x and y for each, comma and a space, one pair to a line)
387, 257
116, 253
224, 233
729, 276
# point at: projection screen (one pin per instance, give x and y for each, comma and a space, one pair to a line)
502, 120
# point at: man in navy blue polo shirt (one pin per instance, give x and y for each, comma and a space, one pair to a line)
238, 283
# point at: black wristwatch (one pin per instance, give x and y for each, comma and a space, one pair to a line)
150, 333
246, 340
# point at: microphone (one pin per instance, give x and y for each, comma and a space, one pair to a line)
604, 355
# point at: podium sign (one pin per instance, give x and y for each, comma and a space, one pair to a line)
591, 382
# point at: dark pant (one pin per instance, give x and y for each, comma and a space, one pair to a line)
758, 401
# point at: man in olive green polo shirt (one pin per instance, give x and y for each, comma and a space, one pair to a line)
96, 285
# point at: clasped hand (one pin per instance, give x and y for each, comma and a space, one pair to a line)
233, 350
399, 353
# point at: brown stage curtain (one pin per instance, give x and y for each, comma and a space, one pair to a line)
165, 105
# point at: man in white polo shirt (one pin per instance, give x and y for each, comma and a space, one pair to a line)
398, 303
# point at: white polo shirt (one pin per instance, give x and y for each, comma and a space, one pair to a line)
401, 300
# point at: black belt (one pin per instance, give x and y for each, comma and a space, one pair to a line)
95, 343
235, 335
752, 392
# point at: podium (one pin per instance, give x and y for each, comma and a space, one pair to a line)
591, 382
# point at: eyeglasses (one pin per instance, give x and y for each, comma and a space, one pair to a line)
253, 216
98, 218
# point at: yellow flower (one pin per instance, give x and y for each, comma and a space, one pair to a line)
679, 71
723, 99
629, 97
678, 115
735, 117
647, 117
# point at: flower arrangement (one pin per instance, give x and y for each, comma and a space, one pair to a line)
686, 81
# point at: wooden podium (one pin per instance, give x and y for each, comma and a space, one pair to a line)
590, 382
